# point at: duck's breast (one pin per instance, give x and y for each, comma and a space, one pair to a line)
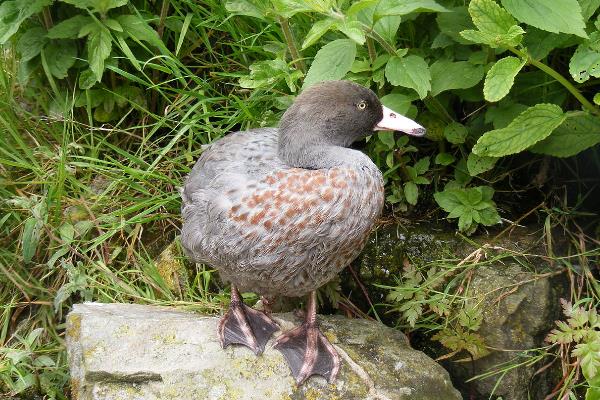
291, 230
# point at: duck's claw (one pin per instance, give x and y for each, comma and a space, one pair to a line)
246, 326
308, 352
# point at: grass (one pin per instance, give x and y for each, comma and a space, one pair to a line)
86, 209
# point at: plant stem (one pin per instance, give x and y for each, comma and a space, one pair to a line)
291, 43
48, 23
371, 48
379, 39
561, 79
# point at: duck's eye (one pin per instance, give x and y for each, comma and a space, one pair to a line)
362, 105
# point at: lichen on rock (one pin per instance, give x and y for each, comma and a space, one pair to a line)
169, 354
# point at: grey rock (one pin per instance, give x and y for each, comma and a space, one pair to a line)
126, 351
520, 302
519, 308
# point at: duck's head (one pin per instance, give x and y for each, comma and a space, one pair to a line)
338, 113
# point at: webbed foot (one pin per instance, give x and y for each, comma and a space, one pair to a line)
243, 325
307, 350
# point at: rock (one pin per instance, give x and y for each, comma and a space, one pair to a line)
520, 301
127, 351
518, 312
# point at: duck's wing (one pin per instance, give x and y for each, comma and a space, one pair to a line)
237, 158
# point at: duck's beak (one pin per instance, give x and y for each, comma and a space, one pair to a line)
392, 121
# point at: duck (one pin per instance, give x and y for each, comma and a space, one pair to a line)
281, 211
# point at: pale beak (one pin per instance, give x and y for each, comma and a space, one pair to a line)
392, 121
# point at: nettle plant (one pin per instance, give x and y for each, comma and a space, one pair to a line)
78, 50
482, 76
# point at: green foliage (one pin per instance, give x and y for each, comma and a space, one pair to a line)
471, 206
538, 121
84, 45
333, 61
583, 328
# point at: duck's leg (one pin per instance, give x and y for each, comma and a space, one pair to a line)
244, 325
307, 350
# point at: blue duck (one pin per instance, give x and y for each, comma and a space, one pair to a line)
281, 211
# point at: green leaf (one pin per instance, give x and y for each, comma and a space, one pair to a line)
555, 16
69, 28
448, 75
452, 23
60, 56
455, 133
31, 237
540, 43
256, 9
410, 72
501, 77
512, 37
333, 61
586, 60
403, 7
387, 27
589, 355
489, 217
400, 103
411, 193
289, 8
113, 24
577, 133
597, 98
13, 13
531, 126
318, 29
266, 74
136, 28
87, 79
353, 30
31, 42
588, 8
480, 164
444, 159
100, 6
422, 165
360, 5
99, 45
490, 18
387, 138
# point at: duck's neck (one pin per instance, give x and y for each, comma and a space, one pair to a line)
311, 151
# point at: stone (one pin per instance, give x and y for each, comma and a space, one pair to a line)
128, 351
520, 302
519, 307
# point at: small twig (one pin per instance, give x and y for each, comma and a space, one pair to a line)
363, 289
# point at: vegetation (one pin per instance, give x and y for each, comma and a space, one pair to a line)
104, 106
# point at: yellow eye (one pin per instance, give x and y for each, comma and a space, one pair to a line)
362, 105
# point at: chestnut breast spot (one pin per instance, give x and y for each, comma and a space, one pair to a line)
257, 217
339, 184
327, 194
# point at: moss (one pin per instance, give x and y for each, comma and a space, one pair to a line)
73, 326
167, 338
122, 331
